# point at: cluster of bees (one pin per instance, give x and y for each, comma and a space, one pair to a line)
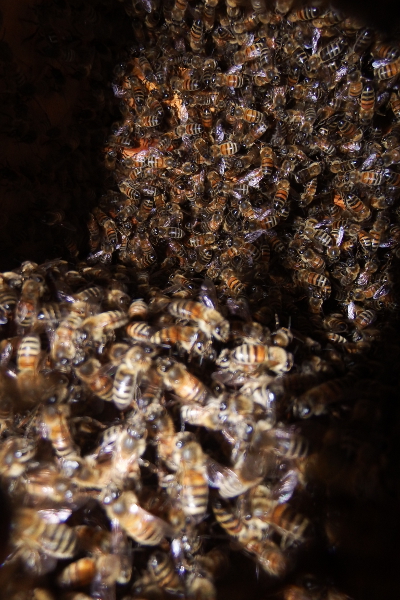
156, 398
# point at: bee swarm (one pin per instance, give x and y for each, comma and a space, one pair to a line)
199, 386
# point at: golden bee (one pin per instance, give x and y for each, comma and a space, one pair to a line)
209, 320
31, 534
138, 523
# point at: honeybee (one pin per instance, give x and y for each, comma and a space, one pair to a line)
292, 526
305, 14
8, 300
78, 573
52, 424
315, 279
236, 287
142, 526
249, 115
269, 556
186, 337
233, 80
27, 306
387, 70
309, 230
249, 53
247, 472
35, 539
129, 446
140, 332
316, 400
200, 585
312, 259
267, 157
104, 322
308, 195
67, 336
255, 229
162, 571
360, 211
367, 103
225, 149
28, 354
281, 196
229, 521
134, 364
203, 416
15, 454
255, 133
192, 478
308, 173
96, 378
349, 130
186, 386
196, 35
206, 239
254, 355
209, 320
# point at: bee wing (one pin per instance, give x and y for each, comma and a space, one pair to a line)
164, 529
219, 133
382, 291
283, 490
252, 178
224, 479
351, 310
104, 583
154, 152
234, 69
368, 162
142, 154
54, 515
187, 142
107, 369
222, 165
249, 41
239, 308
260, 73
183, 114
38, 563
118, 91
382, 62
147, 5
172, 289
50, 540
263, 212
254, 235
314, 41
323, 223
363, 278
208, 294
389, 243
340, 236
340, 73
229, 378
